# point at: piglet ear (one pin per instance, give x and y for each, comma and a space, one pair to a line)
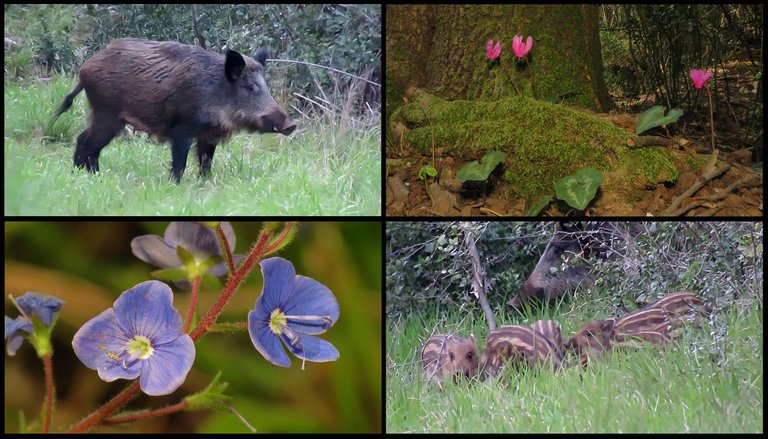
261, 56
608, 325
233, 65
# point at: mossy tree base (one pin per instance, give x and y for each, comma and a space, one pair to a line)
543, 142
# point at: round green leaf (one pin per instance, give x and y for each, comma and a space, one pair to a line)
479, 171
579, 189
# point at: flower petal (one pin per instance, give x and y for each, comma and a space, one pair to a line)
311, 298
528, 44
196, 238
14, 329
98, 337
264, 340
147, 310
18, 324
279, 276
167, 368
152, 249
312, 348
112, 369
43, 306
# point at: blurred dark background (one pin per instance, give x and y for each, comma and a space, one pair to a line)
89, 264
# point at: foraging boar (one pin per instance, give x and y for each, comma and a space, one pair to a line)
517, 344
177, 92
652, 323
445, 356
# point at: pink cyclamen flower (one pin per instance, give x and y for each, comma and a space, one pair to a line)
700, 77
493, 52
520, 48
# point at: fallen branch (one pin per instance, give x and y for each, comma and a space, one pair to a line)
742, 183
705, 178
478, 274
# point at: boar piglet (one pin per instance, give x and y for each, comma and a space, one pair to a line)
682, 307
517, 345
176, 92
446, 356
633, 330
551, 330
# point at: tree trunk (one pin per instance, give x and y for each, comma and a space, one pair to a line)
443, 49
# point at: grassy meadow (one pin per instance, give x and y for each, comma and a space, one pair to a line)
326, 167
711, 382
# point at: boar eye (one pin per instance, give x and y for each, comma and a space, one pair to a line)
469, 356
252, 88
451, 356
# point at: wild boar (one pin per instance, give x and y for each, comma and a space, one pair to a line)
176, 92
446, 356
634, 330
563, 264
518, 345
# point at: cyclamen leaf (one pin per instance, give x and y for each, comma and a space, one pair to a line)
579, 189
480, 171
654, 117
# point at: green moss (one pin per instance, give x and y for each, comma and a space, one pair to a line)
544, 142
651, 166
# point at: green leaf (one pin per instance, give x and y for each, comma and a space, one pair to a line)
654, 117
294, 227
479, 171
541, 204
170, 274
212, 397
427, 170
579, 189
186, 257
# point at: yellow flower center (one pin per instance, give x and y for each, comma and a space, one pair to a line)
277, 320
142, 345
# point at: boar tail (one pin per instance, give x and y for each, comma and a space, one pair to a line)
68, 100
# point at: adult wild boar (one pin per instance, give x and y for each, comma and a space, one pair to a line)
176, 92
564, 264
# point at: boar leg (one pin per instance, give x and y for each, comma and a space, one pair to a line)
180, 143
205, 152
90, 142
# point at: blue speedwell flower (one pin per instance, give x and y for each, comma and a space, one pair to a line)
289, 309
196, 238
139, 336
30, 304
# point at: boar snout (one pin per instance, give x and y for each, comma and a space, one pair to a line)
275, 120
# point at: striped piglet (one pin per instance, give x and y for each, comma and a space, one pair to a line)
521, 345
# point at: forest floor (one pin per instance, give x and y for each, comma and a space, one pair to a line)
738, 191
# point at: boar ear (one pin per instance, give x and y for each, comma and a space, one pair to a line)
261, 56
233, 65
608, 325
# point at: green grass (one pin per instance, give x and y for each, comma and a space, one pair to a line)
315, 171
682, 389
